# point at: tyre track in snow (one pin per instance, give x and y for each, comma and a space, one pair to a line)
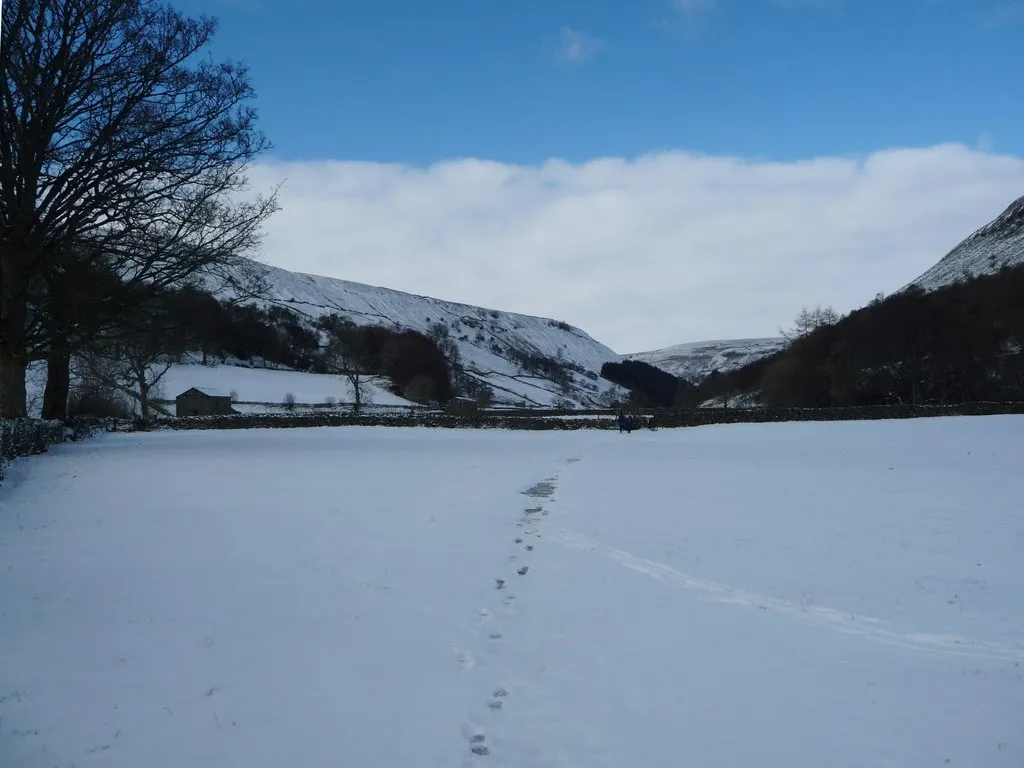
493, 622
866, 627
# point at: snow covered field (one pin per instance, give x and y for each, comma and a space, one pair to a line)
262, 385
783, 595
253, 386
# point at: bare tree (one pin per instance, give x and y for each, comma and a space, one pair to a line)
82, 303
342, 358
360, 381
809, 320
115, 135
133, 368
70, 309
357, 375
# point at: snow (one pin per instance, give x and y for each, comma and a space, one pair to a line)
474, 329
259, 390
266, 385
35, 387
997, 244
211, 392
696, 360
784, 595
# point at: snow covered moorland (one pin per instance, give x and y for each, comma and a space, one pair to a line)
847, 594
500, 349
697, 360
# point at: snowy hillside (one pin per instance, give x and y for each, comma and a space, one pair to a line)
999, 243
698, 359
489, 340
842, 595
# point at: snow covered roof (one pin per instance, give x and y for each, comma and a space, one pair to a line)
208, 391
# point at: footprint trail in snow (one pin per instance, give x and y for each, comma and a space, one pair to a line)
492, 623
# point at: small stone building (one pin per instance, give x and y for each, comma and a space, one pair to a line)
200, 401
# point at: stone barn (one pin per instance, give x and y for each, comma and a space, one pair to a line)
200, 401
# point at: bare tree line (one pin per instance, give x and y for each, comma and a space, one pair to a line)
123, 158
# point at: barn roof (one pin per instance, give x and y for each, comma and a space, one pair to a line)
208, 391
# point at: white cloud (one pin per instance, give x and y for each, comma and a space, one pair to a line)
690, 17
692, 7
641, 253
578, 46
1003, 15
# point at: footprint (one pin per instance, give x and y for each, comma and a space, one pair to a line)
477, 740
512, 557
497, 700
540, 490
519, 539
529, 547
500, 583
495, 636
522, 571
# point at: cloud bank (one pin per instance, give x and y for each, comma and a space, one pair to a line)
646, 252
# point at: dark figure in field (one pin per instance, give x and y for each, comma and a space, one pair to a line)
624, 423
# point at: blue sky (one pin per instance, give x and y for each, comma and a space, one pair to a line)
652, 171
415, 81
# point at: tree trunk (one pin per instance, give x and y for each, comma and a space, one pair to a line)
13, 354
58, 384
13, 365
